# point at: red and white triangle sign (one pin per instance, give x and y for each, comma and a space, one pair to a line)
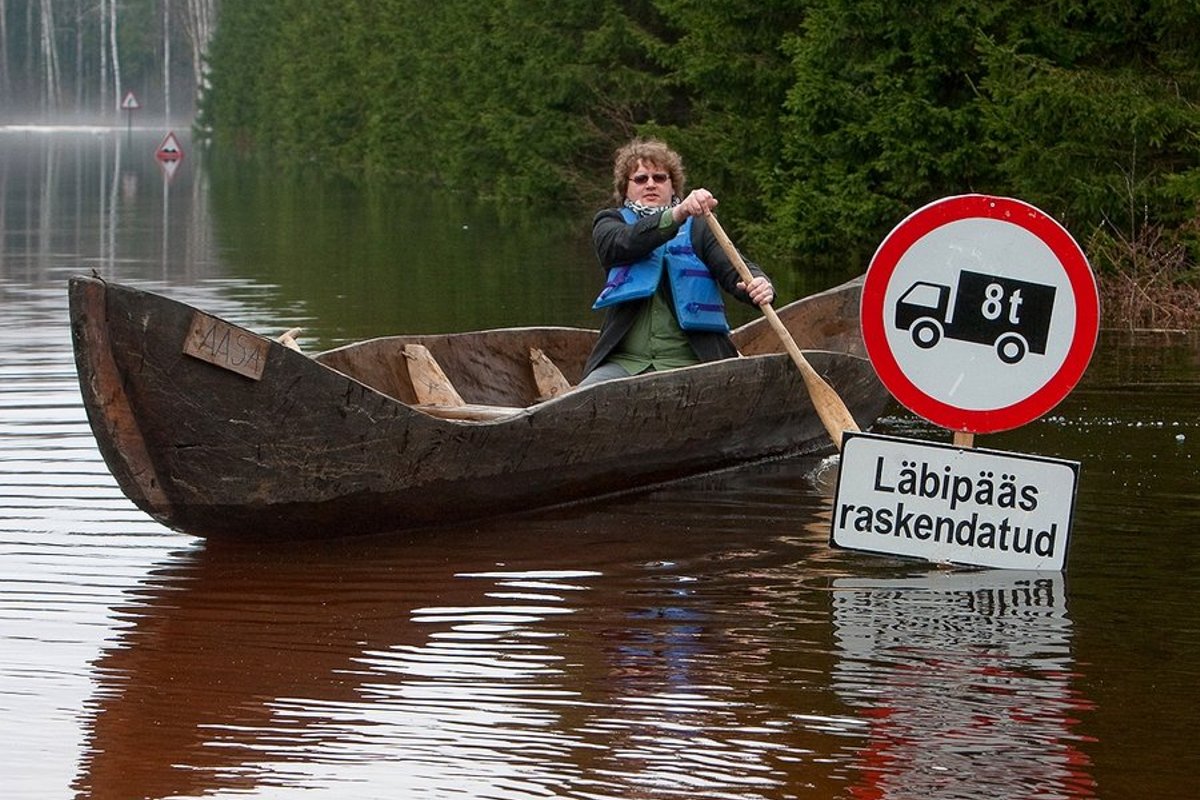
169, 150
169, 154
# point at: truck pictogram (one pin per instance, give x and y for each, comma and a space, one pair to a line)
1013, 316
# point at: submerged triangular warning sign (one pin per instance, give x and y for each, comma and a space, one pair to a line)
169, 150
169, 154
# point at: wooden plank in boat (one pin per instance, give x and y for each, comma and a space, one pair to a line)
429, 382
546, 375
227, 346
469, 412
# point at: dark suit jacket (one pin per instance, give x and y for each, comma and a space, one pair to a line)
617, 242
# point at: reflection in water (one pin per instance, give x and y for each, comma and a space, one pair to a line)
475, 705
95, 198
242, 670
605, 671
965, 683
379, 665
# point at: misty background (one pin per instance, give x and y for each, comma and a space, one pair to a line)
80, 60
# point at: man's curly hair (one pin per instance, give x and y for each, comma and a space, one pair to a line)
650, 151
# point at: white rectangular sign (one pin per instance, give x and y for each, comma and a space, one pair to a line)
950, 504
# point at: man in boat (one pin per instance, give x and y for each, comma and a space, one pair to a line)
652, 323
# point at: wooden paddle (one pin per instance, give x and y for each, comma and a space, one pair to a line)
830, 408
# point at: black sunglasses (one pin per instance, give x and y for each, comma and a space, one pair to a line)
659, 177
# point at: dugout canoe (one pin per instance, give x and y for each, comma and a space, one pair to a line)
216, 430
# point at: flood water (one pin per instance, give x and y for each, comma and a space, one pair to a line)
699, 641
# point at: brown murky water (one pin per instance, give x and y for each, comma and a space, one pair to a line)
702, 640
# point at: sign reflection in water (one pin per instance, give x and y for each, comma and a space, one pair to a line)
965, 685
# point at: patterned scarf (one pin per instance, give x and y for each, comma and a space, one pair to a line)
644, 210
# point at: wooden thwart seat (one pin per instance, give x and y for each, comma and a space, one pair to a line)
429, 382
549, 379
288, 339
437, 396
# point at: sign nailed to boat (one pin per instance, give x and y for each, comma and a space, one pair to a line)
227, 346
952, 504
979, 313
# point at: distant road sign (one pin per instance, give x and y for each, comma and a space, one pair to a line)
130, 102
979, 313
169, 150
169, 154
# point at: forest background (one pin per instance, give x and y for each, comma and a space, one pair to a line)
819, 123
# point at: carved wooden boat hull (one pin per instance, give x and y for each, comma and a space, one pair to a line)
217, 431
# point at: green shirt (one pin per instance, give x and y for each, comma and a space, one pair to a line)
655, 341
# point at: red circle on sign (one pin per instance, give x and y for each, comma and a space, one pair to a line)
1079, 277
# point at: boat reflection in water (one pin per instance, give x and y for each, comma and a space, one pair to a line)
625, 650
964, 684
418, 665
243, 669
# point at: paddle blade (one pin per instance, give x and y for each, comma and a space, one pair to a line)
833, 412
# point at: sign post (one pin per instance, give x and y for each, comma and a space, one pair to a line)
979, 314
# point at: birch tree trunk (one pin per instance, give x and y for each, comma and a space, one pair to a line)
167, 60
199, 24
5, 83
51, 85
27, 80
104, 104
79, 29
116, 59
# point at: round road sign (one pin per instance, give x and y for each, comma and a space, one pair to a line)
979, 313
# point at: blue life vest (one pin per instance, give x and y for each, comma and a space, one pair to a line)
698, 303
